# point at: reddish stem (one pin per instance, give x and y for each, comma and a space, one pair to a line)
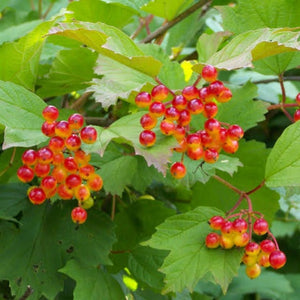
159, 82
276, 106
197, 80
281, 82
256, 188
237, 204
273, 238
235, 189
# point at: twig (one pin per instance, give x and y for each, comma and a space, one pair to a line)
48, 10
276, 106
237, 204
80, 101
281, 82
113, 207
285, 78
235, 189
256, 188
27, 293
173, 22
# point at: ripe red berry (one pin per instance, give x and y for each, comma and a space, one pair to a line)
241, 239
167, 127
184, 118
178, 170
25, 174
193, 141
36, 195
195, 153
76, 121
230, 146
260, 226
209, 73
216, 222
172, 113
62, 129
59, 173
45, 155
210, 155
224, 96
227, 228
212, 240
48, 183
147, 138
95, 182
159, 92
182, 147
143, 99
70, 164
41, 170
263, 259
179, 133
267, 246
212, 126
29, 157
235, 132
86, 171
179, 102
58, 159
297, 115
210, 110
50, 113
157, 109
88, 134
252, 249
195, 106
205, 95
78, 215
82, 193
81, 157
48, 128
190, 92
73, 180
73, 142
148, 121
298, 98
56, 144
215, 88
64, 192
277, 259
239, 225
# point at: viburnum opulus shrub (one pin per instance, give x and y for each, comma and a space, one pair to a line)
149, 149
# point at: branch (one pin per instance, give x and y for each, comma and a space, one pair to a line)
176, 20
81, 100
285, 78
281, 81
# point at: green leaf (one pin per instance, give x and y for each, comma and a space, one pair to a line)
114, 14
208, 44
260, 14
251, 46
189, 260
65, 75
24, 128
241, 109
12, 199
19, 60
143, 264
270, 285
125, 169
253, 156
127, 130
91, 282
166, 9
45, 241
283, 164
109, 41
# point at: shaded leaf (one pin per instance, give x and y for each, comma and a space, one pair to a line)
91, 282
283, 164
189, 260
24, 128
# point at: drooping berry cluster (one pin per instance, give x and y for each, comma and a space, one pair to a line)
174, 117
297, 112
237, 233
62, 167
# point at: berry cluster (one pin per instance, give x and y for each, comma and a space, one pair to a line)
297, 112
62, 167
237, 233
175, 117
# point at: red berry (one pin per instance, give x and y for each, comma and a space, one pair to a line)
73, 180
226, 241
260, 226
64, 192
50, 113
212, 126
41, 170
182, 147
78, 215
179, 133
184, 118
227, 228
58, 159
210, 110
25, 174
212, 240
235, 132
59, 173
224, 96
95, 182
216, 222
81, 157
147, 138
62, 129
193, 141
239, 225
205, 95
167, 127
298, 98
88, 134
195, 106
215, 88
73, 142
157, 109
56, 144
297, 115
179, 102
48, 128
86, 170
209, 73
36, 195
195, 153
45, 155
172, 113
267, 246
76, 121
159, 92
143, 99
252, 249
263, 259
48, 183
241, 239
148, 121
82, 193
70, 164
178, 170
210, 155
230, 146
190, 92
29, 157
277, 259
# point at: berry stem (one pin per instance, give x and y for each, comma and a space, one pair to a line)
113, 207
235, 215
27, 293
276, 106
274, 239
281, 82
237, 204
256, 188
197, 80
235, 189
159, 82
